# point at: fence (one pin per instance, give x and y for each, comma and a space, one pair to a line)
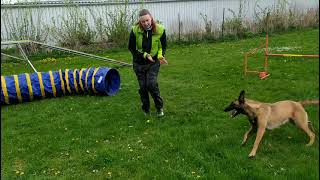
179, 17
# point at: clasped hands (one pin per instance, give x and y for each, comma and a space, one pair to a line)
161, 59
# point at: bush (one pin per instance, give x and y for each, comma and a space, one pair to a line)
115, 25
73, 31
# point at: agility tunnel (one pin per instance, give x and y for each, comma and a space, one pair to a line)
27, 87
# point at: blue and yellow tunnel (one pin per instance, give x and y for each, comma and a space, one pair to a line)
27, 87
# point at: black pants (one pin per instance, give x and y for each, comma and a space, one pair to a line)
147, 78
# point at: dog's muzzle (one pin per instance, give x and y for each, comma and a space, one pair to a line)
233, 113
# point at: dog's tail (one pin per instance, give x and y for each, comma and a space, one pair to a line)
309, 102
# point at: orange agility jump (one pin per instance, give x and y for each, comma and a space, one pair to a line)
263, 74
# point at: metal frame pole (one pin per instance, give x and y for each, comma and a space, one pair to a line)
25, 57
83, 54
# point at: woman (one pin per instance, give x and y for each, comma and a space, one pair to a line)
147, 44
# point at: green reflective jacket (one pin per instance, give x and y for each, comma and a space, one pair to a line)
156, 47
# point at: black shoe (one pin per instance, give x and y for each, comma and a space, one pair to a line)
146, 113
160, 113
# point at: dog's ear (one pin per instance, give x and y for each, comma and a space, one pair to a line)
241, 97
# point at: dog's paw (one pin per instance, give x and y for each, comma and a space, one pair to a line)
309, 144
252, 155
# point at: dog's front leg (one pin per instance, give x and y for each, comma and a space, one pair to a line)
260, 133
246, 136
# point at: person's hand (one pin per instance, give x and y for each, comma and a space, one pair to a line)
149, 57
163, 60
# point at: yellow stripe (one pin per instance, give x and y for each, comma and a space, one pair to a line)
41, 85
29, 86
292, 55
92, 80
80, 81
62, 82
4, 90
54, 91
67, 80
75, 80
87, 74
16, 83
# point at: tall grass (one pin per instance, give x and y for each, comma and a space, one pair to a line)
277, 18
283, 18
119, 24
73, 30
26, 24
234, 27
114, 26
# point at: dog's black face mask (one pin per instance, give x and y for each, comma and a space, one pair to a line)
236, 107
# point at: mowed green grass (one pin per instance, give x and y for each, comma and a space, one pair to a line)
100, 137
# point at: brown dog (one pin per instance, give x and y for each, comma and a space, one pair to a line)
269, 116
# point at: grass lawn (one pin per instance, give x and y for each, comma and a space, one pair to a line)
94, 137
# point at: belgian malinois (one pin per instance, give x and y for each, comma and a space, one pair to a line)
269, 116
